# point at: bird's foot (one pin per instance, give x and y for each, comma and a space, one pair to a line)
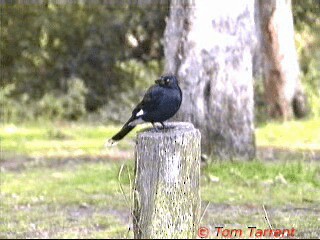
155, 127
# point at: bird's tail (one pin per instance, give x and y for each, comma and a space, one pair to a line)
121, 134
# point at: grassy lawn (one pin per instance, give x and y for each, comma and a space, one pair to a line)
65, 140
294, 135
55, 140
58, 181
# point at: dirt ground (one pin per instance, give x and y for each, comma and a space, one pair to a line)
214, 215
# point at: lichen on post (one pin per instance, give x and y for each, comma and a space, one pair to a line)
166, 191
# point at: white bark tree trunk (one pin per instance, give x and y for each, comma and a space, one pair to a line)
208, 45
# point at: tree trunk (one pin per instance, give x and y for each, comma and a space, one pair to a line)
282, 86
167, 174
208, 46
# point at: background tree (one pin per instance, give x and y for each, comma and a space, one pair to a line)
282, 86
115, 50
208, 45
112, 48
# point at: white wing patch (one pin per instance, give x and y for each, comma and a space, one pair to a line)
138, 120
139, 113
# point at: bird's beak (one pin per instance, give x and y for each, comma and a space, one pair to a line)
158, 81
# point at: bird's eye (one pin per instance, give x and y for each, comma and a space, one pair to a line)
167, 80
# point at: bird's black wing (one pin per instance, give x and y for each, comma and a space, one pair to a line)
150, 101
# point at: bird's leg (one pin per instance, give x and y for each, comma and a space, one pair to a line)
155, 126
163, 126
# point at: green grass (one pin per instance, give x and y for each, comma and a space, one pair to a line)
85, 200
58, 181
52, 140
77, 185
293, 135
46, 198
251, 182
262, 183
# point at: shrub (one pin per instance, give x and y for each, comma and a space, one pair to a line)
8, 109
312, 87
50, 106
69, 106
74, 102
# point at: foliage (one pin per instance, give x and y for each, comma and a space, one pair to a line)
50, 106
307, 25
306, 13
53, 105
74, 100
43, 45
143, 76
6, 103
70, 106
116, 49
312, 77
18, 108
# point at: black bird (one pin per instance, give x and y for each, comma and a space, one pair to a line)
161, 102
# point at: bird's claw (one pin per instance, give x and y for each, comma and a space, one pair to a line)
158, 129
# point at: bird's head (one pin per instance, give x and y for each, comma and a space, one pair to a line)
167, 81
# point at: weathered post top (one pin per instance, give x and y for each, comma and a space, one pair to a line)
167, 173
176, 128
